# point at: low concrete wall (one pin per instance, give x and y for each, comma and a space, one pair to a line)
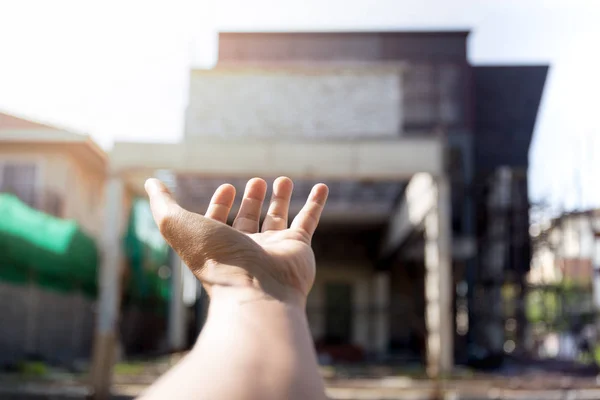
35, 322
58, 328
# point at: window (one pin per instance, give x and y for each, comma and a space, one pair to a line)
420, 106
53, 203
450, 94
433, 95
338, 316
20, 180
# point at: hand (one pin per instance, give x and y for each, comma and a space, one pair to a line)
277, 262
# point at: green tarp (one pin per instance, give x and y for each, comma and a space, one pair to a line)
147, 254
55, 253
51, 251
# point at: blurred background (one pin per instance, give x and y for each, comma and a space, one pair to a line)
459, 252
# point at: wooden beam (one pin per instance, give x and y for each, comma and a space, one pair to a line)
419, 198
398, 159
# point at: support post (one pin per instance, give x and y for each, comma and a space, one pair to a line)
176, 307
381, 292
438, 283
105, 342
595, 222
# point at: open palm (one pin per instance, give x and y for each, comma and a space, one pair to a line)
276, 260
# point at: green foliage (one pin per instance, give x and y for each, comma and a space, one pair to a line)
559, 306
32, 369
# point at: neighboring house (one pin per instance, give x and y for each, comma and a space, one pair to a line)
60, 173
564, 287
54, 170
566, 250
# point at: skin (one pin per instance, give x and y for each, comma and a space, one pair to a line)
256, 343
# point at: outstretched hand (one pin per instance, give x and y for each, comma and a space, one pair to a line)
276, 261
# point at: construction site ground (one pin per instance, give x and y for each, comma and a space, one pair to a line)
363, 382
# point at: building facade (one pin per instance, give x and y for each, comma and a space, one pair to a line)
60, 173
407, 135
566, 250
368, 87
56, 171
348, 87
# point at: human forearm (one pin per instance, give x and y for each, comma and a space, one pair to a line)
252, 347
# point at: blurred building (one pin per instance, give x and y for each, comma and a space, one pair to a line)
371, 87
368, 299
565, 251
51, 169
426, 158
47, 302
563, 293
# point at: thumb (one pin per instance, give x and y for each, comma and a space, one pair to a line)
162, 203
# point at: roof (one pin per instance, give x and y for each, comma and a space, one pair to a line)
15, 130
411, 33
507, 100
373, 46
9, 121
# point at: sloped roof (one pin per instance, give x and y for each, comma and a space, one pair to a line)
8, 121
16, 129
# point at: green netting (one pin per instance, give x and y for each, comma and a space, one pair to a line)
53, 252
146, 252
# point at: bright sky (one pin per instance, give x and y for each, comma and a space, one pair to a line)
119, 69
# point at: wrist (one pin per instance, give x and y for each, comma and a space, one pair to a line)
250, 296
240, 309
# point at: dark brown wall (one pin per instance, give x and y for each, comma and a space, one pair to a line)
342, 46
437, 79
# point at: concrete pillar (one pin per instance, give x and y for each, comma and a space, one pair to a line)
105, 342
360, 328
176, 327
381, 299
438, 283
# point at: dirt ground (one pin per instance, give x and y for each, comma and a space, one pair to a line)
343, 383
